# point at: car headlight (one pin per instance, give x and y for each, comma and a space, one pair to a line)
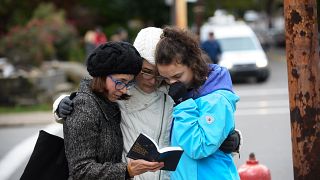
226, 64
262, 63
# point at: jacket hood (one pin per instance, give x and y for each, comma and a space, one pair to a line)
218, 79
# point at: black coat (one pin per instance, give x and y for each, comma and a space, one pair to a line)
93, 139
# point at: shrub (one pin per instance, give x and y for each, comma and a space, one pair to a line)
46, 36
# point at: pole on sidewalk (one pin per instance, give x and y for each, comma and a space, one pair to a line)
198, 13
181, 14
304, 86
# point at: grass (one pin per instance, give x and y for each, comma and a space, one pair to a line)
22, 109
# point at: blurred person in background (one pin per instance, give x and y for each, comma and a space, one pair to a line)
204, 107
89, 40
121, 34
149, 109
100, 37
92, 39
92, 133
212, 48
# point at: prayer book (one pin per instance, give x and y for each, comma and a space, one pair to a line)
146, 148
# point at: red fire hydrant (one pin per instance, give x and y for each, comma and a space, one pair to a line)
252, 170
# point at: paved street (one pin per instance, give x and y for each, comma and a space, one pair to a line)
26, 118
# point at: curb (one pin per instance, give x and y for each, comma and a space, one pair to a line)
26, 118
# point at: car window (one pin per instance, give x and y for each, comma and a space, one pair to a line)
237, 44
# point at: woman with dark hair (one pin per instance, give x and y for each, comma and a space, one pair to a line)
92, 133
204, 107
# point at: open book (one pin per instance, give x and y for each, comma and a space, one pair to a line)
146, 148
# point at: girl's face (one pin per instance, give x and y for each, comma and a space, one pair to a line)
117, 85
176, 72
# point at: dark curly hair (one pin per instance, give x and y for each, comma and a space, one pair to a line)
182, 46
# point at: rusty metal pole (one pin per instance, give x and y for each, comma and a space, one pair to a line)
304, 86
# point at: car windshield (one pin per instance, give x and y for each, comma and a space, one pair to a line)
237, 44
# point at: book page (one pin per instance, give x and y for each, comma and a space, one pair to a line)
166, 149
145, 148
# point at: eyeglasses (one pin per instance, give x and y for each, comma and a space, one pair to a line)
118, 85
149, 76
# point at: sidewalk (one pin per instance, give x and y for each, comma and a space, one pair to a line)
26, 118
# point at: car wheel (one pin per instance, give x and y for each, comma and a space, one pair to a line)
263, 77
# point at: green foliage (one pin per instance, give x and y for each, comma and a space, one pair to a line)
14, 13
111, 14
22, 109
107, 13
46, 36
111, 29
154, 13
49, 13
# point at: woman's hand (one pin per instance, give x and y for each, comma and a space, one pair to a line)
65, 107
136, 167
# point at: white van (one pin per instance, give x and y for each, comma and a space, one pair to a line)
242, 53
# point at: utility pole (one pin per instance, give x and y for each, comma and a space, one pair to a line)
269, 9
198, 13
181, 14
304, 86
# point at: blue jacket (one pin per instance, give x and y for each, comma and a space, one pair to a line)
201, 124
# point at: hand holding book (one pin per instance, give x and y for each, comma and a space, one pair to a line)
139, 166
145, 148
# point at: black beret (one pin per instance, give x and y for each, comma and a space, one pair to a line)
114, 58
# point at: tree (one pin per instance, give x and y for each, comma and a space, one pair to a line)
45, 37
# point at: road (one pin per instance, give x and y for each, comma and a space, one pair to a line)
262, 115
264, 120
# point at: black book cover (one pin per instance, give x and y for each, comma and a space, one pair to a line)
145, 148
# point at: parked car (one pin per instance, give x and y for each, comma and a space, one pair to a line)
242, 53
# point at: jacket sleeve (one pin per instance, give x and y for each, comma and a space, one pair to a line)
81, 131
55, 107
201, 125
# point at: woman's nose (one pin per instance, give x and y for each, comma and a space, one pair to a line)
152, 81
124, 90
172, 81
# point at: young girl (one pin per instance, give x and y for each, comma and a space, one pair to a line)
204, 110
